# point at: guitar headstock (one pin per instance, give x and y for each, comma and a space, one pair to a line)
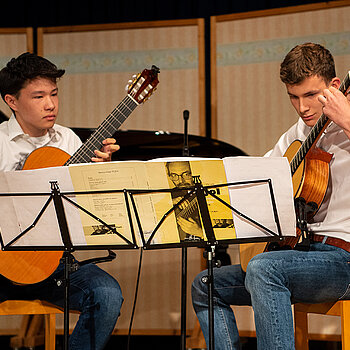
141, 87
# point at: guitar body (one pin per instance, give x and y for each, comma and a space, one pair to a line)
45, 157
26, 267
310, 182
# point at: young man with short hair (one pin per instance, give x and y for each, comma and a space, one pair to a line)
28, 84
274, 280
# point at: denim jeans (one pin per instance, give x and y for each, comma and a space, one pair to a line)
273, 281
93, 292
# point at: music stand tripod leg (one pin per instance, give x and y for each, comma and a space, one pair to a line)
209, 280
208, 228
69, 266
183, 297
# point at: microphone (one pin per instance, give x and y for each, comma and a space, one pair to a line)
185, 150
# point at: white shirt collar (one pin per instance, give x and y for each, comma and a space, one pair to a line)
15, 130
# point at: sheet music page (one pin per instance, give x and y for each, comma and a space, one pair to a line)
254, 200
209, 171
151, 207
25, 209
111, 207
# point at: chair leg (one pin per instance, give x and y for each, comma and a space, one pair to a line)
35, 335
345, 325
196, 340
301, 331
16, 341
50, 332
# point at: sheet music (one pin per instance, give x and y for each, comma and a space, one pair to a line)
254, 200
24, 210
111, 207
209, 171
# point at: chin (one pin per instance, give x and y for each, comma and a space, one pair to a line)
50, 124
310, 123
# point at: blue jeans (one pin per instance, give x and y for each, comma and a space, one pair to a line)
93, 292
273, 281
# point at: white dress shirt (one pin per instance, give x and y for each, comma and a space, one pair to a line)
15, 145
333, 217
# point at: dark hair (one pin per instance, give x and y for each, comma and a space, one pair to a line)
23, 69
307, 60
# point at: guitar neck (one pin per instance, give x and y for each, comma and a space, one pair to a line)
311, 139
315, 132
107, 128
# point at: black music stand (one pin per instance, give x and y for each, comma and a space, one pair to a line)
57, 197
200, 192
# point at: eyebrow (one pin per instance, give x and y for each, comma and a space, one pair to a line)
43, 92
306, 93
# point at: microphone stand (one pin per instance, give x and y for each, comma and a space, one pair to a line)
185, 153
186, 150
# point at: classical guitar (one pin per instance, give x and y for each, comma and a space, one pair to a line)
309, 166
27, 267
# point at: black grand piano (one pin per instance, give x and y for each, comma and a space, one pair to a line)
145, 145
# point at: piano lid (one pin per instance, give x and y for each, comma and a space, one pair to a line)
145, 145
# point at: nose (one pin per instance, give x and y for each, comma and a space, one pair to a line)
182, 180
49, 103
303, 107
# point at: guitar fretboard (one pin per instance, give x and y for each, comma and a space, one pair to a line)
315, 132
107, 128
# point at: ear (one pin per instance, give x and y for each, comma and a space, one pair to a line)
11, 101
335, 82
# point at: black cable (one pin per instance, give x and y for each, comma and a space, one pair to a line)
135, 298
111, 256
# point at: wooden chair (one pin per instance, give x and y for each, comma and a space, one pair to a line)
35, 313
339, 308
196, 339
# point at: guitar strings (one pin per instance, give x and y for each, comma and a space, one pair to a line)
315, 131
110, 125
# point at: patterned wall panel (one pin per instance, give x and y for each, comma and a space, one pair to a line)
253, 109
100, 61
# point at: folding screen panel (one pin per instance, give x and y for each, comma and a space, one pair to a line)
100, 60
252, 108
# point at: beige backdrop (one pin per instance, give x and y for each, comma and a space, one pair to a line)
101, 59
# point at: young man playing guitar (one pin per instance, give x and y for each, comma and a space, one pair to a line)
274, 280
28, 86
